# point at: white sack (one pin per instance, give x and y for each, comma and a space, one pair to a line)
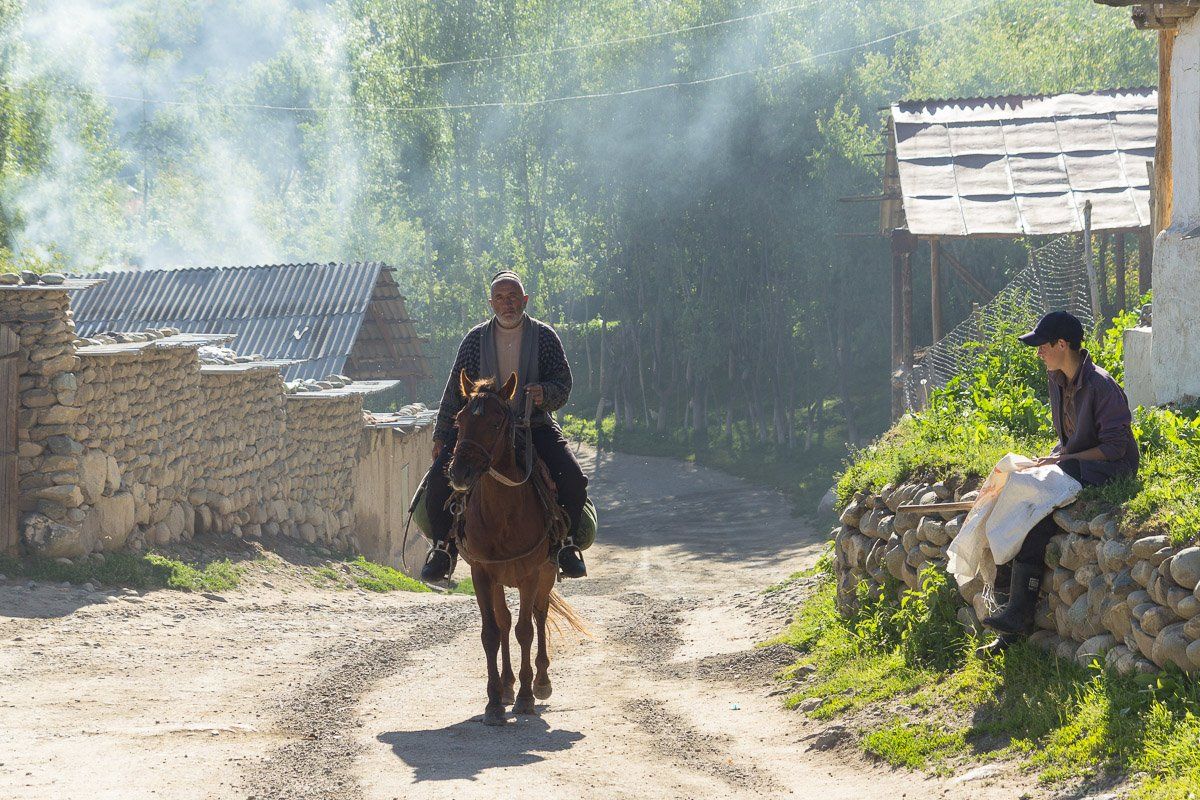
1014, 498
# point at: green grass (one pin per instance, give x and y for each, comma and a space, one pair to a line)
936, 707
148, 571
381, 578
913, 745
465, 586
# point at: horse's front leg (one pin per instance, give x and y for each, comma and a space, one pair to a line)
542, 688
524, 704
504, 623
493, 713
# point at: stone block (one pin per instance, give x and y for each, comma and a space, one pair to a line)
1070, 590
1143, 642
1170, 647
1078, 550
1095, 648
1112, 555
112, 475
93, 475
1155, 620
1066, 519
933, 530
1142, 572
45, 537
1116, 618
1185, 568
67, 496
117, 519
1147, 546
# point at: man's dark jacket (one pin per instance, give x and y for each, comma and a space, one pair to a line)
1102, 419
554, 375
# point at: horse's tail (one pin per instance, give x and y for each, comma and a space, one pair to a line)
561, 609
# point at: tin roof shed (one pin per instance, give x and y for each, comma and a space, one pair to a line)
1020, 165
330, 318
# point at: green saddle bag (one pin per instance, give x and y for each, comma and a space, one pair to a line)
588, 522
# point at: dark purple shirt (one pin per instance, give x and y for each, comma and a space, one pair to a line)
1100, 417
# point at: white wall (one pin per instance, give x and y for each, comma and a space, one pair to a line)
1175, 351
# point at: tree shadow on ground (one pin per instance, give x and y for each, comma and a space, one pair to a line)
700, 513
466, 749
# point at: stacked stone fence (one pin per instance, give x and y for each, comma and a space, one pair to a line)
1111, 591
134, 442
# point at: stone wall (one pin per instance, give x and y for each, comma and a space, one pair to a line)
130, 441
323, 436
242, 436
1110, 591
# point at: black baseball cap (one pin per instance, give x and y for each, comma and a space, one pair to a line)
1054, 326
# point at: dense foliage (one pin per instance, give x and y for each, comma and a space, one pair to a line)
699, 221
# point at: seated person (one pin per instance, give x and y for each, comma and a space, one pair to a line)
510, 342
1095, 445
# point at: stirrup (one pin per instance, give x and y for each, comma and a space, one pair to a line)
443, 546
568, 545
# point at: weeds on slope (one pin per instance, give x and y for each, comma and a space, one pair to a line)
942, 706
373, 577
137, 571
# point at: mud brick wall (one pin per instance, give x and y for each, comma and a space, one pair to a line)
1111, 591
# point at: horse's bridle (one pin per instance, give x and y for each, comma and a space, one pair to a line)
510, 420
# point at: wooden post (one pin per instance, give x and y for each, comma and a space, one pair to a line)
935, 288
897, 392
1097, 312
1119, 269
1102, 279
1145, 261
9, 406
1162, 188
907, 309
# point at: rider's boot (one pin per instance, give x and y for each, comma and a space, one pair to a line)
439, 564
570, 559
1017, 616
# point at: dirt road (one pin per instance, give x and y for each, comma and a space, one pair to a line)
283, 690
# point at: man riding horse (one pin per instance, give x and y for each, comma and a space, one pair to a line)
511, 342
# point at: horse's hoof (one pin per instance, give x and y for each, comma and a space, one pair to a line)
542, 691
494, 715
508, 696
524, 705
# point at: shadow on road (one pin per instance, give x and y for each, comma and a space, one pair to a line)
464, 750
701, 513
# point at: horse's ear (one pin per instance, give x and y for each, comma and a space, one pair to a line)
464, 383
509, 390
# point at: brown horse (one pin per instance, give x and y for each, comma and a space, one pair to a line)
506, 543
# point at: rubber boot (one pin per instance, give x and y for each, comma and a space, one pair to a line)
1017, 616
570, 560
439, 564
1002, 584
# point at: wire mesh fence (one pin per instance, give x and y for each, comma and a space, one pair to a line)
1055, 279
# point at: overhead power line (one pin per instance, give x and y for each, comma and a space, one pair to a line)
609, 42
762, 69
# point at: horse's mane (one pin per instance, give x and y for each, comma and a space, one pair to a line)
485, 386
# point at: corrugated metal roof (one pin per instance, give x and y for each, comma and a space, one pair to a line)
309, 313
1026, 164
